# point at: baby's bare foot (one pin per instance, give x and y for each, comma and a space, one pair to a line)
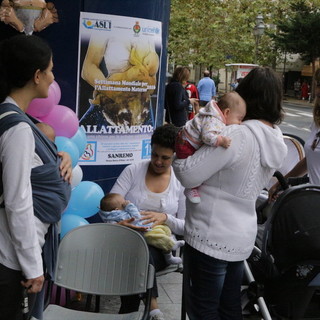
8, 16
48, 16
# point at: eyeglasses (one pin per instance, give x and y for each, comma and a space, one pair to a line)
315, 141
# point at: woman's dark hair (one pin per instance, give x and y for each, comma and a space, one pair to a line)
262, 91
20, 57
181, 74
165, 136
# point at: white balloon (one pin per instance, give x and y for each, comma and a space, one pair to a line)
77, 176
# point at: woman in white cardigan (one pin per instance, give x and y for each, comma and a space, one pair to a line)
220, 231
152, 186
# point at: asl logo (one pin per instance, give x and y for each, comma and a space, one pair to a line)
97, 24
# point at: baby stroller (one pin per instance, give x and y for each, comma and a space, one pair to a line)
283, 271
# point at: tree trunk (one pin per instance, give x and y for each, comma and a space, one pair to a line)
200, 71
313, 82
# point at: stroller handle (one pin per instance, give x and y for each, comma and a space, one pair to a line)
283, 182
291, 181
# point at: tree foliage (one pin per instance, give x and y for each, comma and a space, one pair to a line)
299, 33
215, 32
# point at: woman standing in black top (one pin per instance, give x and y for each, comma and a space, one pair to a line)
177, 101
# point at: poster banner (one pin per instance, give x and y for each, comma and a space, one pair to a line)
243, 71
117, 94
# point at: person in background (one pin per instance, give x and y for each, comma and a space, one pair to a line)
177, 101
206, 88
310, 163
192, 93
36, 183
297, 88
220, 232
153, 187
304, 90
235, 84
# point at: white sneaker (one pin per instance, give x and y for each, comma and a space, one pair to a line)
157, 316
193, 195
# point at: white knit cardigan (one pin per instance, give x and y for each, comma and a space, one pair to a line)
224, 224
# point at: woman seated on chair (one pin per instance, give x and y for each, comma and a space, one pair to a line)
153, 187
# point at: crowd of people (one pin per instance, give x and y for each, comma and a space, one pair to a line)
208, 165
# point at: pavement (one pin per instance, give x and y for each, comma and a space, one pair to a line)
298, 102
169, 300
170, 292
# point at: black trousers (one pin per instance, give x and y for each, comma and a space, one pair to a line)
11, 293
132, 303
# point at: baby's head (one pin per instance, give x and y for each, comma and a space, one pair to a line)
112, 201
47, 130
233, 107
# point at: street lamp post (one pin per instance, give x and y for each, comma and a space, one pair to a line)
258, 31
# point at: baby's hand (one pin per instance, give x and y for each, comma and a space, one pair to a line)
225, 142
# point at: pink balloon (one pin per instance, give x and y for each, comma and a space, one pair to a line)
63, 120
57, 92
40, 107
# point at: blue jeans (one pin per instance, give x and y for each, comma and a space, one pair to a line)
212, 287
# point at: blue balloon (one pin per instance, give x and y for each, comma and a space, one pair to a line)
85, 199
80, 140
69, 222
65, 144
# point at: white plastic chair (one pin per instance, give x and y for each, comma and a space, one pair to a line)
103, 259
169, 269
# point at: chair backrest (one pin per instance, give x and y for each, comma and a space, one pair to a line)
104, 259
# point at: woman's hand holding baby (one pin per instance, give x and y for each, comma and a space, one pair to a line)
65, 165
156, 218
